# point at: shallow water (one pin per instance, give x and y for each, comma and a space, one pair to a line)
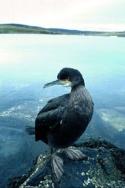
29, 61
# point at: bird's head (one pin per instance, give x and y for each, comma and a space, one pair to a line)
67, 77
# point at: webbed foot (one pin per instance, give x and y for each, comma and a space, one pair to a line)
74, 154
57, 167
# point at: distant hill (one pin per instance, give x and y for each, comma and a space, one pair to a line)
20, 29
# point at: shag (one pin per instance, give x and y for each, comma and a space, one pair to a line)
63, 120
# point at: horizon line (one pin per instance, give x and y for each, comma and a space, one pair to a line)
65, 28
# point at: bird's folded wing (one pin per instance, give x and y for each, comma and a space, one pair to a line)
50, 118
55, 103
46, 122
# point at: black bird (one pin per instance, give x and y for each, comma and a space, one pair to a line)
63, 120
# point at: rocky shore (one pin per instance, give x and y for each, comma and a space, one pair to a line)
104, 168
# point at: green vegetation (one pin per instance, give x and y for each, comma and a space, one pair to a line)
20, 29
17, 28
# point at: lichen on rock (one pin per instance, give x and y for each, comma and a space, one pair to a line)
104, 168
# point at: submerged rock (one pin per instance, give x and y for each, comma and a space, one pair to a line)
113, 117
104, 168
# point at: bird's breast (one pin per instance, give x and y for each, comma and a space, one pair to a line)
80, 102
75, 118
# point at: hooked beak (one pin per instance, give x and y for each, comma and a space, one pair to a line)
58, 82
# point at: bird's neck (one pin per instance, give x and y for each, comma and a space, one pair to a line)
77, 94
77, 82
76, 86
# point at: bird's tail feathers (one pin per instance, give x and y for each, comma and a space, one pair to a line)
30, 130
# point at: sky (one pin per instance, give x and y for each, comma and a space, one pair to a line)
71, 14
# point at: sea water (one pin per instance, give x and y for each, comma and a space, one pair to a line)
29, 61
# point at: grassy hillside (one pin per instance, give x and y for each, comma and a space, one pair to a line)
18, 28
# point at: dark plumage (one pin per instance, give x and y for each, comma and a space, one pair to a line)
62, 121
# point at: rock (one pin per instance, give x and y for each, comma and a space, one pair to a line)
104, 168
113, 117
